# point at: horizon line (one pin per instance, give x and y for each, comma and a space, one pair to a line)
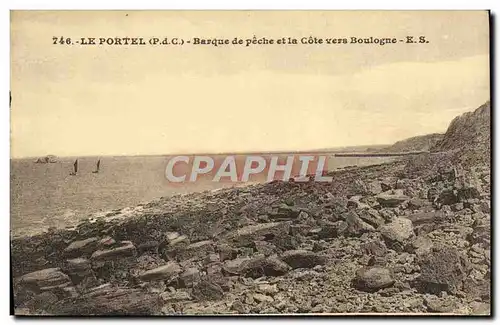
331, 149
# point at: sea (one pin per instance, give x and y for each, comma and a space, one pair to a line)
45, 195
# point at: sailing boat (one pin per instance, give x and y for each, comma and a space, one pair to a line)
97, 167
75, 168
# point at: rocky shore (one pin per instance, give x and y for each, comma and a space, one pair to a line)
412, 236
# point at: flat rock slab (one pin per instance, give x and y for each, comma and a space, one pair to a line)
391, 199
372, 217
262, 231
258, 267
421, 218
109, 301
78, 264
195, 250
177, 240
235, 266
78, 268
106, 242
176, 296
302, 259
45, 279
285, 212
164, 272
126, 249
81, 247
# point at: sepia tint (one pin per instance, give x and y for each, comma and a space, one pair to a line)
149, 154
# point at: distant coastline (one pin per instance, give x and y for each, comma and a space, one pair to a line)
360, 148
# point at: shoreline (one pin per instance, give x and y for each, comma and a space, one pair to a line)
260, 243
70, 222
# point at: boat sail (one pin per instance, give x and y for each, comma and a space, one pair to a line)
97, 167
75, 168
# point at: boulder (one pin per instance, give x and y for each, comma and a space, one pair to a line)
207, 290
373, 279
398, 232
443, 269
239, 307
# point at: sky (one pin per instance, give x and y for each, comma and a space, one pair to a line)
125, 100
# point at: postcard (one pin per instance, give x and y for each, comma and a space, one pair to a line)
250, 162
